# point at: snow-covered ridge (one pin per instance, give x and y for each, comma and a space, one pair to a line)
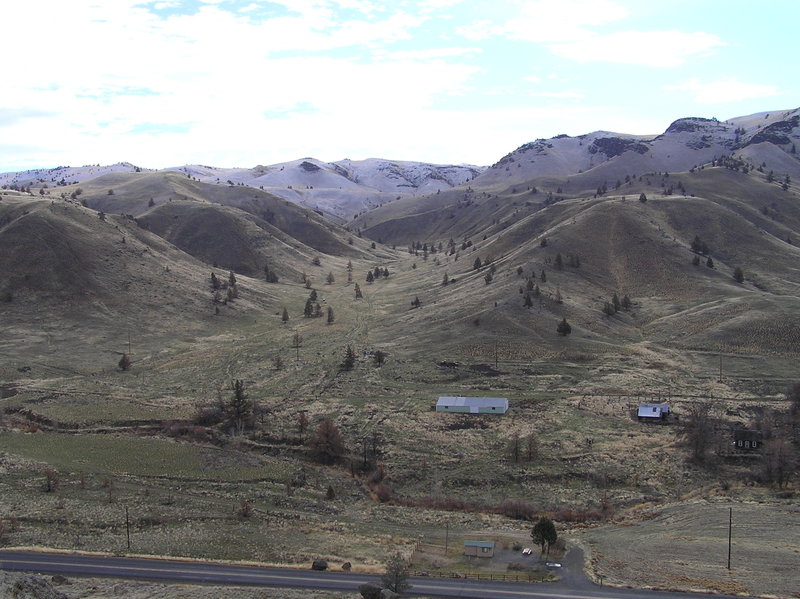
687, 142
342, 188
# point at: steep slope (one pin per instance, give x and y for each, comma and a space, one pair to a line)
623, 246
235, 227
71, 278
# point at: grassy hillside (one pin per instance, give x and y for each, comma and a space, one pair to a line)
83, 290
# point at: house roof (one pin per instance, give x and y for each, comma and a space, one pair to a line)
747, 435
652, 410
487, 544
474, 402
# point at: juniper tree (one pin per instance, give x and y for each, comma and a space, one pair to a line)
528, 301
563, 328
269, 275
396, 576
544, 533
240, 409
326, 444
349, 359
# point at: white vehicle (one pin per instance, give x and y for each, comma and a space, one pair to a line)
552, 565
526, 551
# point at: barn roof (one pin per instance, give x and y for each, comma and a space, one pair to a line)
487, 544
474, 402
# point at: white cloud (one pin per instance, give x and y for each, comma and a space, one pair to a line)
565, 95
649, 48
548, 21
730, 90
433, 53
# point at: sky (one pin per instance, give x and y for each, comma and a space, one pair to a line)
243, 82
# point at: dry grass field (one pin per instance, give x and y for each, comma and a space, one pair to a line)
685, 545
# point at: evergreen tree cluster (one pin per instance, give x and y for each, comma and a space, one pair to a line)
312, 308
230, 287
377, 273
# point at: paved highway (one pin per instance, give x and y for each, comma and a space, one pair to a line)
227, 574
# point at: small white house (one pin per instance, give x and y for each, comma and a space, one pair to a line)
653, 411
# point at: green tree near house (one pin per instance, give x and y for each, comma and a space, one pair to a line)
544, 534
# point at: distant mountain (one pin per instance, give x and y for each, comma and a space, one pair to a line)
340, 189
688, 142
546, 171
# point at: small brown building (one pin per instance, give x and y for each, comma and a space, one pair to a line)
479, 548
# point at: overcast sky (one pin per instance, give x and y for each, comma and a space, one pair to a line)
243, 82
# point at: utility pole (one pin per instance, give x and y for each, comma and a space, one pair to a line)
128, 527
297, 342
446, 536
730, 527
720, 369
